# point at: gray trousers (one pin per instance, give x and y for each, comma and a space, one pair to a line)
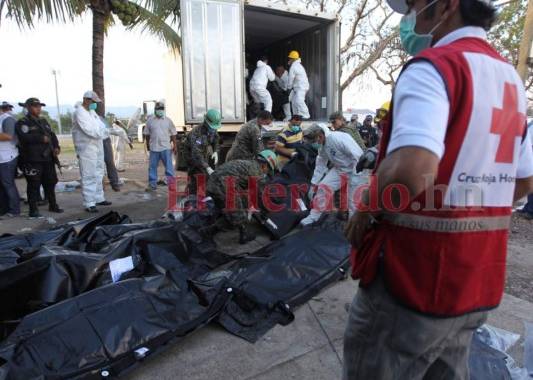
384, 340
110, 163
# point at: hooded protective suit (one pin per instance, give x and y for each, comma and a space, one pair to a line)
88, 132
258, 85
299, 84
120, 138
342, 154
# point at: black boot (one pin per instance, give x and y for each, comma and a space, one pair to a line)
245, 236
52, 204
34, 211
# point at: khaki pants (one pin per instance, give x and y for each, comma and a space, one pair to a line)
384, 340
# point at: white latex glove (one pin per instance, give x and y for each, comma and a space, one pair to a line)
311, 193
214, 156
209, 171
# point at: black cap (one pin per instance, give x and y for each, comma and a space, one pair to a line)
5, 105
32, 102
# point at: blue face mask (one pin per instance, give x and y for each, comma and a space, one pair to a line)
295, 128
93, 106
316, 146
159, 113
412, 42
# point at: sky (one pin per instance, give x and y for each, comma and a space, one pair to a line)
134, 66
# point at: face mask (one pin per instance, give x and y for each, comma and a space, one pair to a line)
93, 106
295, 128
159, 113
316, 146
412, 42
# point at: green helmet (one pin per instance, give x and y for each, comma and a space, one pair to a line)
212, 118
269, 157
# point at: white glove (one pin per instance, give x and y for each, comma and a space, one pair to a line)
311, 193
214, 156
209, 171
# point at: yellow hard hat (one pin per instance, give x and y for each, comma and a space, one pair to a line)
385, 106
294, 55
382, 112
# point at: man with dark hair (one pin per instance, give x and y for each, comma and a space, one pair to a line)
431, 262
249, 142
339, 124
282, 79
288, 139
368, 133
160, 134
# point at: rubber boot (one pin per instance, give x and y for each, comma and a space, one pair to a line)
245, 236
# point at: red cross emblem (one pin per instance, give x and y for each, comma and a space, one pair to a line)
509, 123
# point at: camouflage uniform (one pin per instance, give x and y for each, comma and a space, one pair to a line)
241, 170
355, 135
247, 144
200, 144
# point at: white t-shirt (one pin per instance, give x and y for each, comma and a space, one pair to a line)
421, 108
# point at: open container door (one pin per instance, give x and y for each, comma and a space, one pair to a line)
213, 72
334, 98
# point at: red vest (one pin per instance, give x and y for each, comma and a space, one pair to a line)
447, 257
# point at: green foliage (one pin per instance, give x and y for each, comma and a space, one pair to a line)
507, 33
66, 122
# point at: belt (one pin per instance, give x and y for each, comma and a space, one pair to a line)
452, 225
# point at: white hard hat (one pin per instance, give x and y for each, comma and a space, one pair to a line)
92, 95
399, 6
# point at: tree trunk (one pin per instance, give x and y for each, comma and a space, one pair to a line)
99, 18
525, 45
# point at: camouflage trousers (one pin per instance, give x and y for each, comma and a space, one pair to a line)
238, 214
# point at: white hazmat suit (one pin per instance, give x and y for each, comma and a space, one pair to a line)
258, 85
342, 153
88, 131
119, 139
299, 84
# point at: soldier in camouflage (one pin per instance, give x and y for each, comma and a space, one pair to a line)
238, 173
202, 144
249, 141
339, 124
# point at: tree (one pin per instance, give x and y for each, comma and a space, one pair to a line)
148, 15
66, 122
507, 34
370, 39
